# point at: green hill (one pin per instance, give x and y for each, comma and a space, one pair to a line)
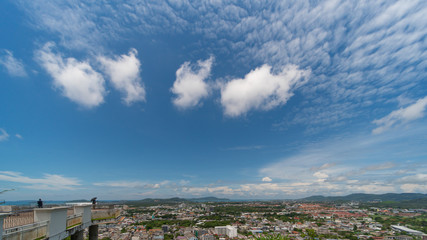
362, 197
173, 201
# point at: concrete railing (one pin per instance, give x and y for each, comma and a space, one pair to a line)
100, 214
29, 231
74, 220
55, 223
19, 219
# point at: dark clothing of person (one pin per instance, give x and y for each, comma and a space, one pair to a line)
93, 200
40, 203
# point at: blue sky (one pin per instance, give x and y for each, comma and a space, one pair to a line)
236, 99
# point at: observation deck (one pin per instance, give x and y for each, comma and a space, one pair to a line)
55, 223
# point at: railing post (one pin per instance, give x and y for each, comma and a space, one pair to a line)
2, 217
78, 235
57, 217
93, 232
85, 210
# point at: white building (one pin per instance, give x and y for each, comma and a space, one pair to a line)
407, 230
228, 230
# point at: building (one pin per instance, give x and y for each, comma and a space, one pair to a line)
406, 230
228, 230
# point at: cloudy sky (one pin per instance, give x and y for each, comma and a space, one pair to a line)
236, 99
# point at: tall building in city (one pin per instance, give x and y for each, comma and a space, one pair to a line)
228, 230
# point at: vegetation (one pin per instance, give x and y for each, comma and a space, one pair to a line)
168, 236
407, 204
272, 237
216, 217
168, 216
173, 201
361, 197
131, 212
290, 217
212, 224
159, 223
417, 223
237, 210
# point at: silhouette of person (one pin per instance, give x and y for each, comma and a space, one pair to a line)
93, 200
40, 203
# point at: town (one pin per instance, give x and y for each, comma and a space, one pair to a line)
264, 220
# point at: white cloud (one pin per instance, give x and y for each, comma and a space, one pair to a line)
242, 148
219, 190
131, 184
360, 163
360, 53
48, 182
124, 73
373, 188
184, 182
382, 166
324, 166
261, 89
19, 136
13, 66
77, 81
402, 115
267, 179
321, 175
420, 178
414, 188
73, 23
3, 135
190, 86
149, 193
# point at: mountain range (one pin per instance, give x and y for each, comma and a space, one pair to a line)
362, 197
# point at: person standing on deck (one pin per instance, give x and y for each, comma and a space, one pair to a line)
40, 203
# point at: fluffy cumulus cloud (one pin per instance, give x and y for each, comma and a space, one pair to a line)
267, 179
76, 80
261, 89
190, 86
402, 115
3, 135
124, 73
14, 66
360, 52
47, 182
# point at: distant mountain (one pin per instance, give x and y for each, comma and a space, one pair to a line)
209, 199
411, 204
78, 201
175, 200
161, 200
362, 197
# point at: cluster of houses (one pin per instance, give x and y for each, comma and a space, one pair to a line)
319, 222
